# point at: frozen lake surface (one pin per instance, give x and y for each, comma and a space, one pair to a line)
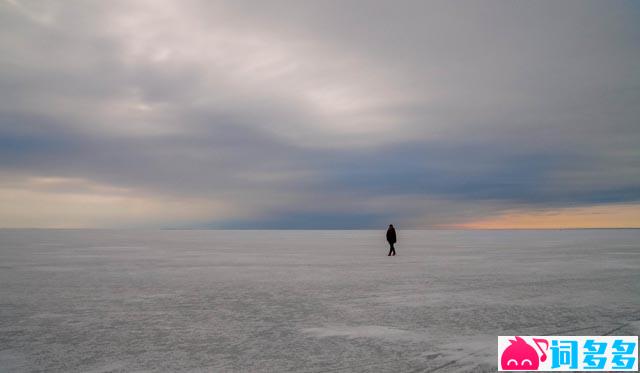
304, 301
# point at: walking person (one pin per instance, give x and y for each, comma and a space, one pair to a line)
391, 238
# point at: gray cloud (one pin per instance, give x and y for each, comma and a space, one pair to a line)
327, 114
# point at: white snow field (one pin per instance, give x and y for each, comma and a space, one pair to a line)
304, 301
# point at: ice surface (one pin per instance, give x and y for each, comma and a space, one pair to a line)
304, 301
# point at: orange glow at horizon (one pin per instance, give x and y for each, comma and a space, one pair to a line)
605, 216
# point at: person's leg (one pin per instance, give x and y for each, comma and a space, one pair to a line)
393, 249
390, 248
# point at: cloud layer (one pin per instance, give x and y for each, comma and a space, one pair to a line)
325, 114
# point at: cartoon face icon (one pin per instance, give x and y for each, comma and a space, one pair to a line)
521, 356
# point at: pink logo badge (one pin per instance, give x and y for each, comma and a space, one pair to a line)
521, 356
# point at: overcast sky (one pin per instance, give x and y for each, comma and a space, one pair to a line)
319, 114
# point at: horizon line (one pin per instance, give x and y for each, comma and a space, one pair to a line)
315, 229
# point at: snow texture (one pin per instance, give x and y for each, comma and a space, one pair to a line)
304, 301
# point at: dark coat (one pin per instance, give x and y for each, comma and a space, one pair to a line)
391, 235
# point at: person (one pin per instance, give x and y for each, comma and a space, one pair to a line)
391, 238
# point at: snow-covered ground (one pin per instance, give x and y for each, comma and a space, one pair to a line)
304, 301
